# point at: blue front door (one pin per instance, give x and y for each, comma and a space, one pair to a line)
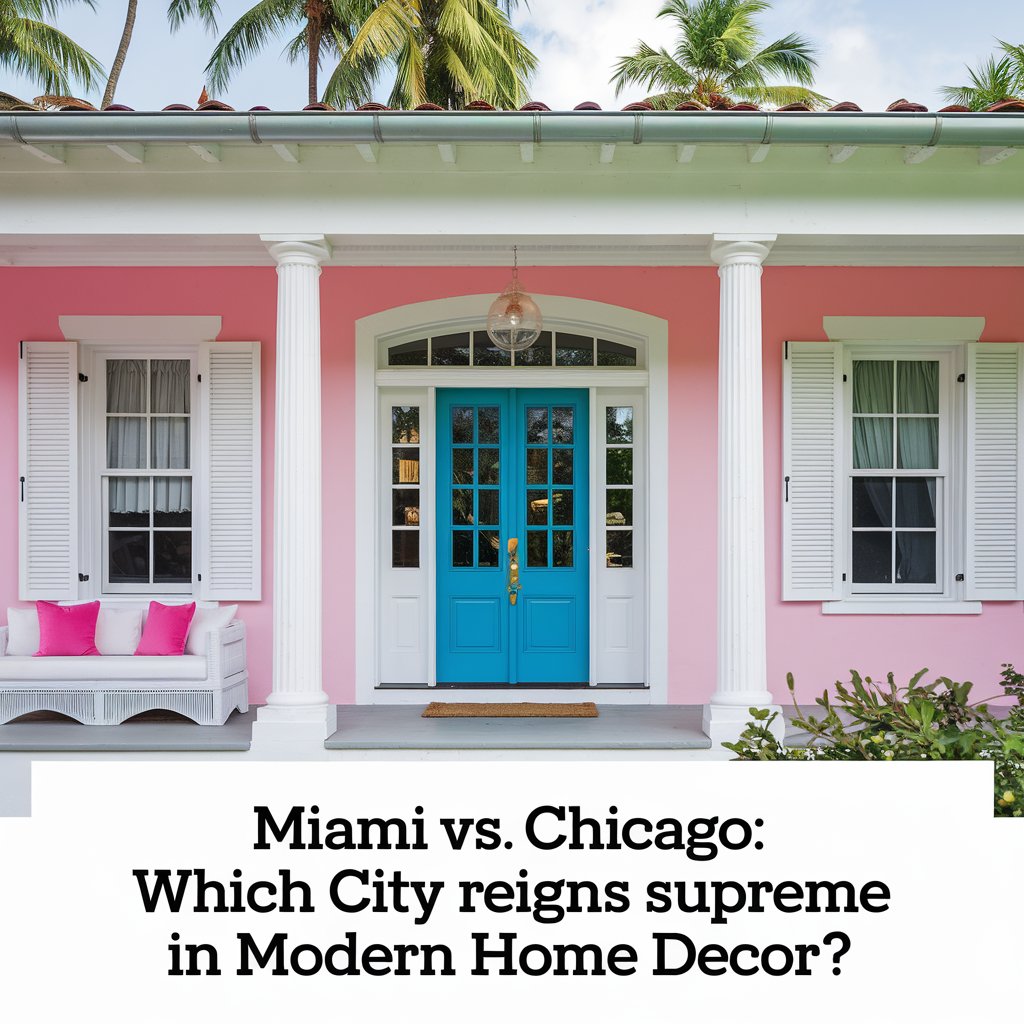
512, 465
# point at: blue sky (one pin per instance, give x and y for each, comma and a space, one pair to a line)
870, 51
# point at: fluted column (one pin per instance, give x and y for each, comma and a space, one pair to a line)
298, 705
742, 667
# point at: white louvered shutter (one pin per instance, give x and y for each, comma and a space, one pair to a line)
811, 459
48, 471
994, 477
230, 564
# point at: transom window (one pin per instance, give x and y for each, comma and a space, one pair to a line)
475, 348
146, 479
897, 475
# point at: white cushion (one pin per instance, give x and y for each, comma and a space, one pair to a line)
205, 621
23, 631
29, 672
118, 630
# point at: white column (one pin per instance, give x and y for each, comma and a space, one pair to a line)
742, 668
297, 710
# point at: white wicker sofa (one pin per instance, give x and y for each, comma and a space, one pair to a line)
109, 689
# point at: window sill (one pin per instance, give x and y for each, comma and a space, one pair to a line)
918, 606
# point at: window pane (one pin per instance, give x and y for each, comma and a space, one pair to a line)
128, 501
462, 548
872, 443
450, 350
561, 425
405, 466
619, 465
170, 438
412, 353
561, 470
487, 548
126, 443
462, 465
488, 466
611, 353
872, 558
172, 501
538, 354
405, 424
561, 508
126, 385
619, 424
537, 426
573, 350
405, 549
487, 424
486, 353
170, 383
918, 443
619, 549
561, 549
172, 557
915, 557
537, 548
462, 508
537, 508
619, 508
405, 507
462, 424
872, 501
487, 508
915, 502
128, 557
872, 385
537, 466
917, 387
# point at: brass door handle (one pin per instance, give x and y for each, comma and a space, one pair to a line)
514, 586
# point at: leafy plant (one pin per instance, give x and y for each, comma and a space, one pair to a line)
1001, 77
867, 720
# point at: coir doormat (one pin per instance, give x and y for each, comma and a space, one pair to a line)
439, 709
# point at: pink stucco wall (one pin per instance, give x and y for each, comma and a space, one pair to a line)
817, 648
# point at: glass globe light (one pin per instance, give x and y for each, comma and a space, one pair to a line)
514, 322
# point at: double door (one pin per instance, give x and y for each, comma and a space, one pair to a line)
513, 536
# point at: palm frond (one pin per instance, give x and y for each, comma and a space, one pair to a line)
204, 11
246, 37
41, 52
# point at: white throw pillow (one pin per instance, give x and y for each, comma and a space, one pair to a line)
118, 630
205, 621
22, 632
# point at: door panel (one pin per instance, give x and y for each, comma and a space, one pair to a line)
512, 464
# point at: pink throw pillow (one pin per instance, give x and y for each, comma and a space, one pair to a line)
166, 629
67, 630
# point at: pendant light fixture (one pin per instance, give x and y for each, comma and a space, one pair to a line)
514, 322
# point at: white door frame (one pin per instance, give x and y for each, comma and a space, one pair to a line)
369, 379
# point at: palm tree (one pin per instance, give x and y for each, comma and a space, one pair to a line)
326, 28
999, 78
445, 52
30, 46
719, 54
122, 52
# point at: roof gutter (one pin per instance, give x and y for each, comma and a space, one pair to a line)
627, 127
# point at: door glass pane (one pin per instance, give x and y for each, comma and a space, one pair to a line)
462, 424
126, 442
462, 465
172, 556
170, 382
872, 501
172, 501
561, 470
412, 353
405, 466
487, 508
917, 386
126, 385
170, 439
537, 548
537, 426
918, 443
462, 508
619, 424
538, 354
405, 549
872, 443
611, 353
486, 353
872, 557
619, 508
561, 548
405, 507
128, 501
537, 466
573, 350
915, 557
561, 508
128, 557
487, 424
462, 548
915, 502
537, 508
561, 425
450, 350
872, 385
619, 465
619, 549
488, 466
405, 424
487, 548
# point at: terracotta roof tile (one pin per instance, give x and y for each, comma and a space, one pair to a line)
214, 105
585, 105
641, 105
1007, 106
844, 106
905, 107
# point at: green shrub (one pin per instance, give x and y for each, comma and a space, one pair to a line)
866, 720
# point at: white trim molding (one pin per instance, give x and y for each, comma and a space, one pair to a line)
934, 329
140, 329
